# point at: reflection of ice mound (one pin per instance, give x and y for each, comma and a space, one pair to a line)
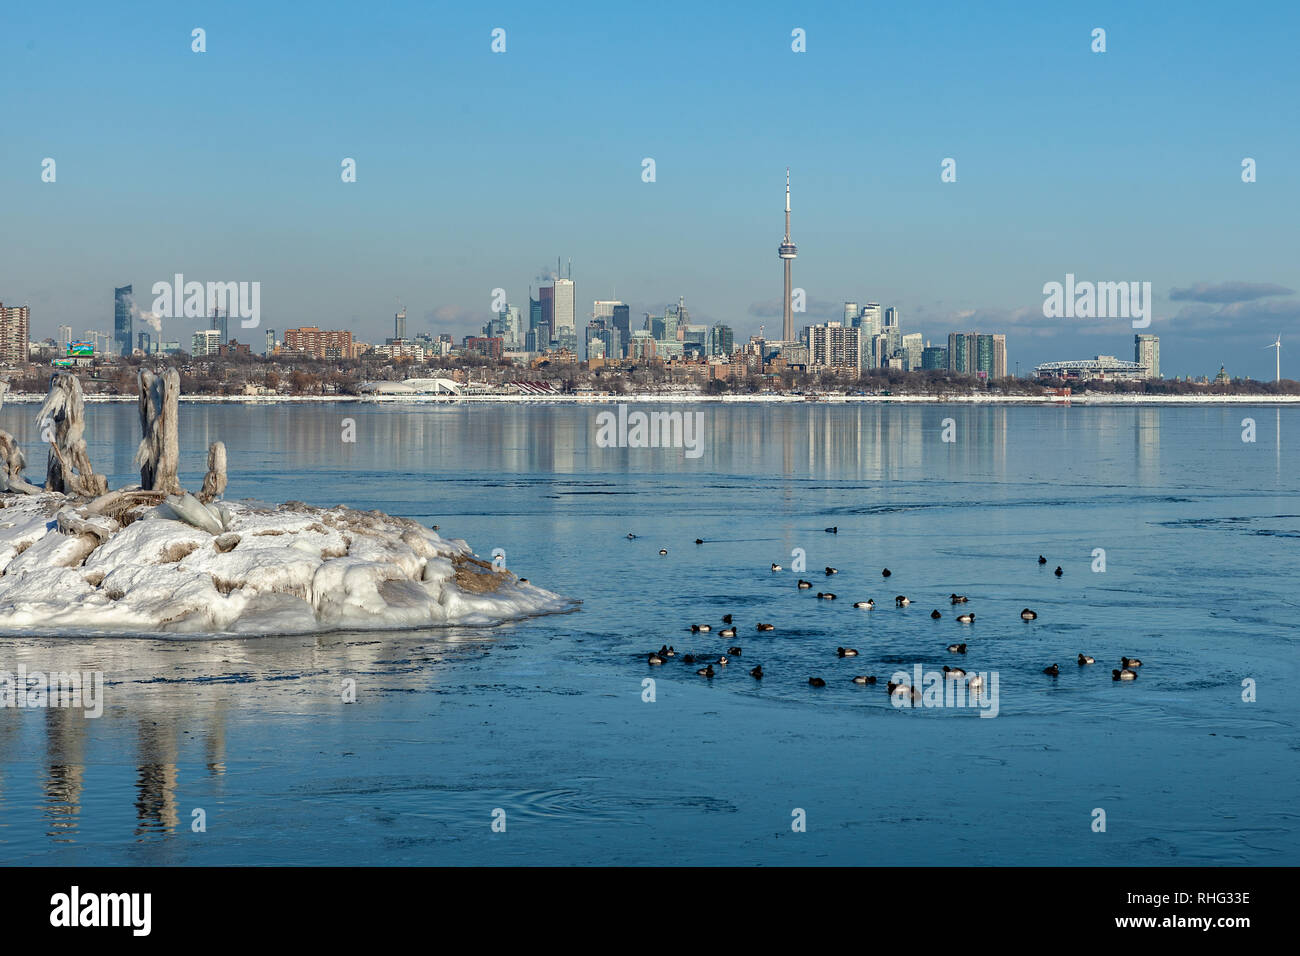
144, 566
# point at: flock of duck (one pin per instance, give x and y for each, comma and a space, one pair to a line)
1127, 670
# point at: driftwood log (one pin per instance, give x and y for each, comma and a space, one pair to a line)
214, 482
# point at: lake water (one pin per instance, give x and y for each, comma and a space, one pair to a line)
545, 719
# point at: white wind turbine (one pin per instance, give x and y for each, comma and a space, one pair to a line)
1277, 345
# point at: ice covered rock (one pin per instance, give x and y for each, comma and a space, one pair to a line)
128, 562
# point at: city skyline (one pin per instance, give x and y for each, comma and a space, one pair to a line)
1137, 197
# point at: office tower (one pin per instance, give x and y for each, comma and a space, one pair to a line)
122, 300
851, 314
65, 336
143, 342
787, 252
399, 324
219, 322
1146, 352
547, 295
934, 357
15, 323
622, 320
721, 340
513, 326
984, 355
833, 346
563, 307
604, 308
891, 317
535, 316
206, 343
912, 346
869, 321
999, 356
270, 342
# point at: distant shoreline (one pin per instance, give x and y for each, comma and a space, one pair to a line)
688, 399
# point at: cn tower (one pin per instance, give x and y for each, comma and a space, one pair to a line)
787, 252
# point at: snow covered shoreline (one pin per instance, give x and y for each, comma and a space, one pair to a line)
70, 569
692, 399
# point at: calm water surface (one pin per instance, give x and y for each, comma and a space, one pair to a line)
545, 720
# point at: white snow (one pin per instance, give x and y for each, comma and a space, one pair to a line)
289, 569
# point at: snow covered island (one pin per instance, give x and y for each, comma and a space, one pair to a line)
78, 559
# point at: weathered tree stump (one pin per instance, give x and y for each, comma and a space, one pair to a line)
62, 421
159, 453
214, 482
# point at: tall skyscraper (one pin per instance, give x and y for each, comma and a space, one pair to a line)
787, 252
912, 346
721, 340
547, 296
999, 356
891, 317
65, 336
851, 314
399, 324
1146, 352
622, 320
15, 323
220, 322
960, 348
564, 307
270, 341
869, 321
122, 320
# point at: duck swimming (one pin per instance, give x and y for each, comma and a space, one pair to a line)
1058, 572
834, 530
804, 585
688, 659
655, 658
757, 672
1041, 559
830, 571
733, 651
957, 648
722, 660
1052, 671
846, 652
663, 550
631, 536
975, 683
816, 682
826, 595
727, 632
953, 671
1084, 660
935, 615
866, 605
864, 679
958, 598
776, 567
699, 540
885, 573
1130, 662
1125, 674
966, 618
705, 671
726, 619
697, 628
902, 601
767, 627
1028, 615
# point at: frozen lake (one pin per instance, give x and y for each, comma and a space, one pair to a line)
545, 719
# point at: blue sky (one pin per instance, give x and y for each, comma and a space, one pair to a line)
475, 170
